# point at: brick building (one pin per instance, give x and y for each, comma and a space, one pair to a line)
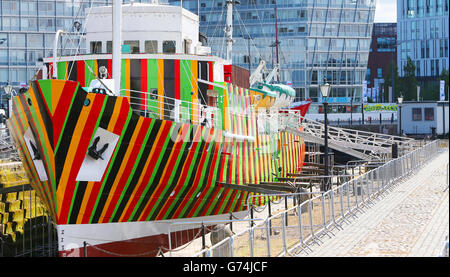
383, 51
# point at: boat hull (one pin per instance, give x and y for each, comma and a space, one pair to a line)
133, 239
151, 170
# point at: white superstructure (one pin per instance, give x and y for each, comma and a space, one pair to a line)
146, 28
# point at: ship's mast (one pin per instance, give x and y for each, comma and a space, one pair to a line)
117, 44
229, 28
276, 41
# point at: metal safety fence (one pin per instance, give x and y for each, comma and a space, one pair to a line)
291, 231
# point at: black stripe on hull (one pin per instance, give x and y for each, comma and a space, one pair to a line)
81, 189
46, 118
66, 137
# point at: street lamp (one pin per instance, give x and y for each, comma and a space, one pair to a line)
325, 90
400, 101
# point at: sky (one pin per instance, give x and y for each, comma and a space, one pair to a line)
386, 11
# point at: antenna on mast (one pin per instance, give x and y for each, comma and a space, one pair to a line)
229, 28
277, 42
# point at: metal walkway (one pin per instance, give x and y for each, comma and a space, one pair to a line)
360, 144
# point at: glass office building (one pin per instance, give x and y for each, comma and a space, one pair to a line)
317, 39
422, 31
27, 32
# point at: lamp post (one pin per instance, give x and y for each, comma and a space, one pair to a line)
325, 90
400, 101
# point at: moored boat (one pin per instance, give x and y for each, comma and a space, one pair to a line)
176, 143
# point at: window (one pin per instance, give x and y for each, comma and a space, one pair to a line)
96, 47
11, 23
3, 57
3, 40
46, 8
151, 46
386, 44
109, 47
429, 114
4, 76
134, 45
367, 75
11, 7
417, 114
46, 24
35, 40
169, 46
187, 46
380, 72
17, 40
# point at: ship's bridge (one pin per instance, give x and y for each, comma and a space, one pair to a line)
146, 28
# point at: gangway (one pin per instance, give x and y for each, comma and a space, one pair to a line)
361, 144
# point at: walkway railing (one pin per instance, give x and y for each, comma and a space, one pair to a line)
291, 231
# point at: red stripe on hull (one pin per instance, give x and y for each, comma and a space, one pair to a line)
138, 247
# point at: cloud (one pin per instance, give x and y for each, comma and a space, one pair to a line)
386, 11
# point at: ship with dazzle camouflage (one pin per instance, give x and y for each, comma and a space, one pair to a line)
148, 130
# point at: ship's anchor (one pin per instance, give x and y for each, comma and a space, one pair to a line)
94, 153
35, 152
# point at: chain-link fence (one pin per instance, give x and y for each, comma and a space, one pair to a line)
290, 231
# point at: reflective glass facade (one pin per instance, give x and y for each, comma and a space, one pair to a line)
27, 31
318, 38
422, 32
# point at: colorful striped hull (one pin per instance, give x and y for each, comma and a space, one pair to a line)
157, 170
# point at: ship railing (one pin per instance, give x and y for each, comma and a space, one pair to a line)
293, 230
152, 105
167, 108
